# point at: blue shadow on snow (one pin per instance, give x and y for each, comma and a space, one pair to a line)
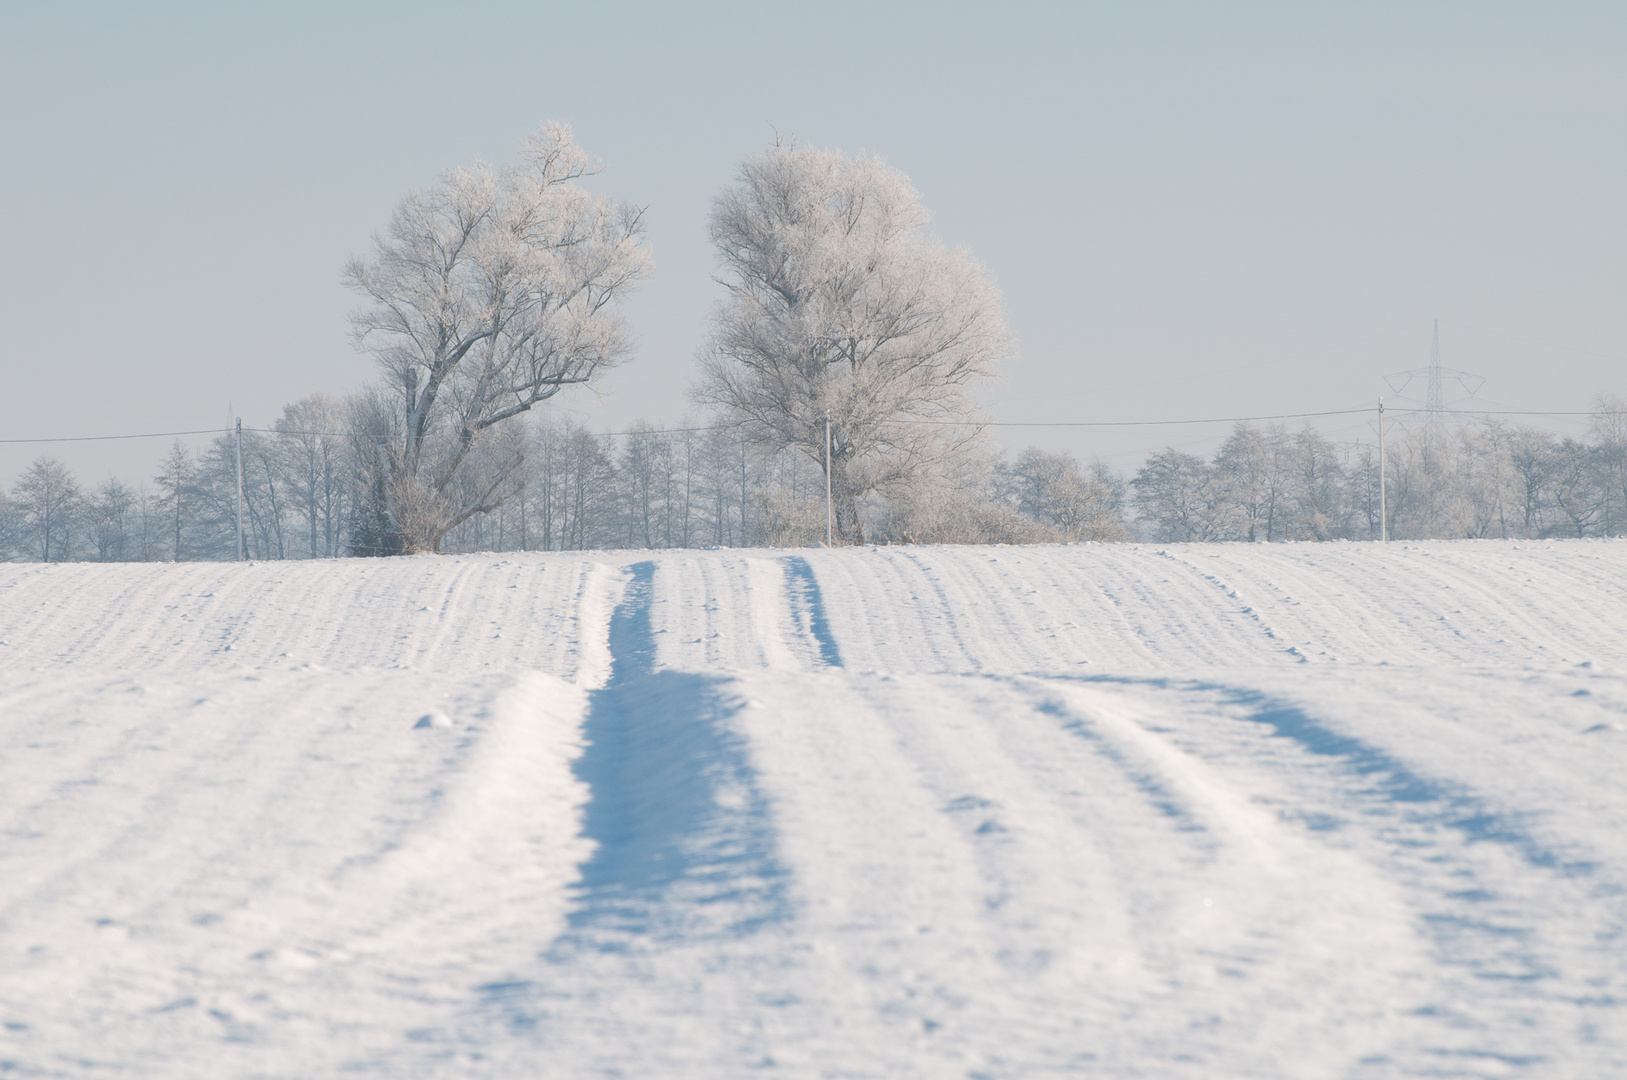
1441, 802
808, 607
685, 839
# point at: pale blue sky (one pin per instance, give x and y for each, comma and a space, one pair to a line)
1192, 209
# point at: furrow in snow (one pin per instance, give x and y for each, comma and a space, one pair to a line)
868, 812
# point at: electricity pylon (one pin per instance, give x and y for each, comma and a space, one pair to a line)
1434, 375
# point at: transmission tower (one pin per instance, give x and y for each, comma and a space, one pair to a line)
1434, 375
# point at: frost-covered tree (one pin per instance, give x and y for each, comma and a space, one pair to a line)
1053, 490
1486, 475
1177, 494
490, 292
1577, 493
111, 514
176, 479
842, 302
1531, 456
1609, 434
569, 483
650, 483
1251, 469
1318, 501
47, 503
1366, 499
311, 454
8, 527
961, 505
1424, 496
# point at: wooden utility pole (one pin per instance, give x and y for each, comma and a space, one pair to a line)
1383, 511
239, 489
828, 516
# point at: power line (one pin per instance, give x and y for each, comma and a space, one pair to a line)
1138, 423
940, 423
978, 423
1497, 412
109, 438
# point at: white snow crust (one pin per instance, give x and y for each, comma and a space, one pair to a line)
1336, 810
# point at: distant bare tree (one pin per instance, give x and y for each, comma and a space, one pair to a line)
491, 291
48, 500
9, 538
784, 520
1609, 434
1532, 456
372, 425
175, 480
1485, 472
571, 490
1052, 489
732, 467
962, 506
109, 513
1425, 496
1175, 492
1251, 469
648, 475
1317, 498
1577, 493
265, 495
311, 454
1366, 507
840, 301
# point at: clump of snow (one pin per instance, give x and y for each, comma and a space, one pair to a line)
434, 719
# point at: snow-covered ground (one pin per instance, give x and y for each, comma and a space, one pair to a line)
1114, 811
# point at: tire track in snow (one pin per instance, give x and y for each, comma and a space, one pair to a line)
685, 852
1232, 911
807, 606
1053, 627
945, 615
720, 611
676, 819
881, 609
1498, 907
870, 633
1325, 617
1063, 874
982, 892
1179, 616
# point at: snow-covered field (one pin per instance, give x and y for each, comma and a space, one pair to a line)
1112, 811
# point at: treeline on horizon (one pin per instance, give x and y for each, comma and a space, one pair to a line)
837, 384
313, 487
